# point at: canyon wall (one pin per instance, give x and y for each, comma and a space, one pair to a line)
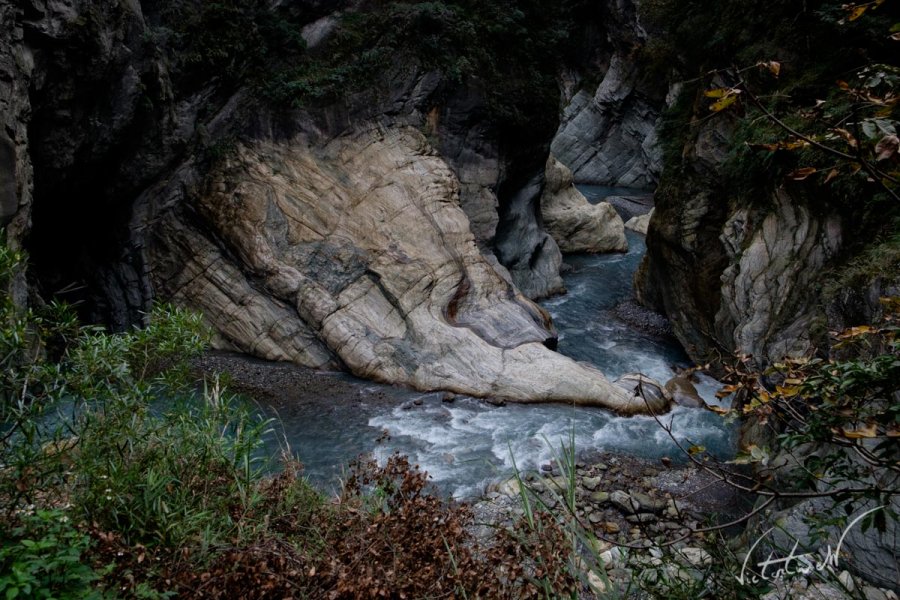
391, 232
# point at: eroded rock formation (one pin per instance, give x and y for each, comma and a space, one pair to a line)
576, 224
733, 276
355, 250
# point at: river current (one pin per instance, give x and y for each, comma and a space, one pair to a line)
467, 444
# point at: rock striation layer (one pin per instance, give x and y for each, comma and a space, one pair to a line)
732, 276
608, 134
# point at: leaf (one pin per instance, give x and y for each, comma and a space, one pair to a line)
788, 391
723, 103
801, 174
848, 137
856, 12
854, 332
718, 92
887, 147
868, 431
794, 145
694, 450
773, 66
831, 175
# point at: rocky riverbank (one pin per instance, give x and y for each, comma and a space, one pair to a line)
640, 518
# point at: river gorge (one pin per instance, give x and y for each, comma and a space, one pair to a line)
468, 232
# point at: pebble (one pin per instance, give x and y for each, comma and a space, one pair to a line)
622, 501
648, 504
611, 527
592, 483
598, 584
600, 497
695, 556
847, 581
642, 518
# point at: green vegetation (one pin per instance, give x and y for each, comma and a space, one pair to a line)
120, 478
809, 88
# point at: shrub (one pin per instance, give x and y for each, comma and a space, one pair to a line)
41, 556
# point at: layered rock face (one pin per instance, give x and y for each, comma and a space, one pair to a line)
576, 224
732, 277
608, 129
608, 135
355, 249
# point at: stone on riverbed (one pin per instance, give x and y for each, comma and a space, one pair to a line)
576, 224
684, 393
639, 223
643, 388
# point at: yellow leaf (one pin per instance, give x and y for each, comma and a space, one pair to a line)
718, 93
788, 391
869, 431
794, 145
854, 332
857, 12
723, 103
801, 174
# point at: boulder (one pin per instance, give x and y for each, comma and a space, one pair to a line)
683, 392
644, 388
576, 224
639, 223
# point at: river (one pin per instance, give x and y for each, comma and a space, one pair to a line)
466, 444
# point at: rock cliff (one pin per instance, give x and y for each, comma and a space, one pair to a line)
732, 275
608, 129
390, 232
